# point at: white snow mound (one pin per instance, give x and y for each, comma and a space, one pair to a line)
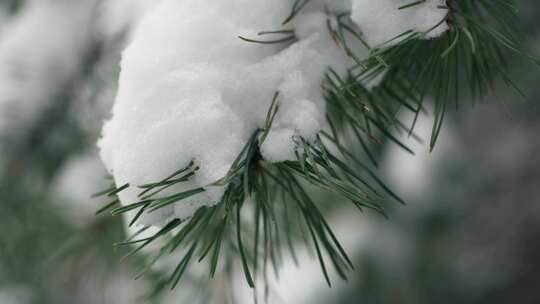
191, 90
383, 22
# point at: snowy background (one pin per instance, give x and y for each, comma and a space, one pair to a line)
470, 233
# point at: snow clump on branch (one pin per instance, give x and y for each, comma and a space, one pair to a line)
191, 90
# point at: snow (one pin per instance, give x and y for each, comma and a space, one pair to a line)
412, 176
39, 52
16, 294
191, 90
382, 21
79, 178
277, 147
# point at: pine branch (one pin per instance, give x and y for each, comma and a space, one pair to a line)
271, 188
465, 61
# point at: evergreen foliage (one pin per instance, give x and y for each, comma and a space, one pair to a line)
465, 62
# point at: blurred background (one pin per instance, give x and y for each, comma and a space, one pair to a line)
469, 234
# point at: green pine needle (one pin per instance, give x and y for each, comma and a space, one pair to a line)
467, 60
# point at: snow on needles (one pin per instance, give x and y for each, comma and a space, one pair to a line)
384, 21
191, 90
